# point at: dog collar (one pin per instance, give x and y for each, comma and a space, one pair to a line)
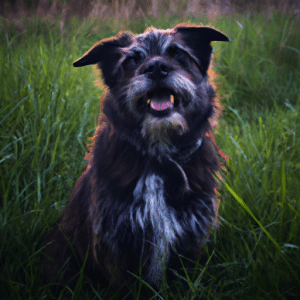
185, 154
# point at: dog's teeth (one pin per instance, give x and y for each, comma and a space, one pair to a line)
148, 101
172, 98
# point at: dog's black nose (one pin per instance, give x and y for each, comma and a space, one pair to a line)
157, 69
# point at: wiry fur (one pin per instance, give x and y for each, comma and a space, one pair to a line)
148, 192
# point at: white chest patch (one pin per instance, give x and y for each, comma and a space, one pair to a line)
165, 226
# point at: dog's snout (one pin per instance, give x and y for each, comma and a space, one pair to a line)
157, 69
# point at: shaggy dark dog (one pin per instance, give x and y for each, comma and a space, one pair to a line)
148, 193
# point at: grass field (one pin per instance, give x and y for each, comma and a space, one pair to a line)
48, 109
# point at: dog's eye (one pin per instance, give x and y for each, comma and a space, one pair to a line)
135, 57
173, 51
177, 54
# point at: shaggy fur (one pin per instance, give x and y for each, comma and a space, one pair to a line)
148, 193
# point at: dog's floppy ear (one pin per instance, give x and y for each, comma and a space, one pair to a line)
198, 39
106, 53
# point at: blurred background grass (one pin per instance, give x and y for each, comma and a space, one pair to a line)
48, 110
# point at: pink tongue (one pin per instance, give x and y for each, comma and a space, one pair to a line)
159, 105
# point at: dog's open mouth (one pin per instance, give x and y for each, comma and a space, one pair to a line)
160, 103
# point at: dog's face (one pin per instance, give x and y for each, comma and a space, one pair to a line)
159, 96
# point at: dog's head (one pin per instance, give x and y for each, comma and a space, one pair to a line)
159, 96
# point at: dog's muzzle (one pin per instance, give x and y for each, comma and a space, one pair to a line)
159, 90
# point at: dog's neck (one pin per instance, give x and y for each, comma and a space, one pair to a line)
185, 154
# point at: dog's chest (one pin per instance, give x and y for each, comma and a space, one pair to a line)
151, 210
150, 206
158, 220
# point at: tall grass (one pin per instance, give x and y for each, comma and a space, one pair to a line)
260, 134
48, 110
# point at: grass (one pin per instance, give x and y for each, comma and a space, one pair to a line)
48, 109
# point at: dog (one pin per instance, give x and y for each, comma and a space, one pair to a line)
148, 192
